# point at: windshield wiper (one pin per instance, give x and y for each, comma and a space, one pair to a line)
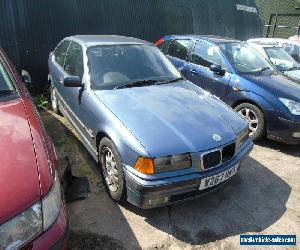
137, 83
170, 81
294, 68
6, 91
263, 69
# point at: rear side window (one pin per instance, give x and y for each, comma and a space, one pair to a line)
205, 55
60, 52
164, 46
179, 49
5, 81
74, 60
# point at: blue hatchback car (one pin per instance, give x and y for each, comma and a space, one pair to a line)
157, 137
243, 79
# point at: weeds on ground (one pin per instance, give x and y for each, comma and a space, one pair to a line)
41, 101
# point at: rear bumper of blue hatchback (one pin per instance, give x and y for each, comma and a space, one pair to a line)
149, 193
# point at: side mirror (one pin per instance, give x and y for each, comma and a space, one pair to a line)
26, 78
217, 69
72, 81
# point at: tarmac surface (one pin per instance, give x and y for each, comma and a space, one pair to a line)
263, 198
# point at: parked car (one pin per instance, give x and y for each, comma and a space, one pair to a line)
280, 59
242, 78
295, 38
158, 138
32, 210
290, 46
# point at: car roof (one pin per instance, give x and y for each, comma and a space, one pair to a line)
264, 45
211, 38
94, 40
273, 40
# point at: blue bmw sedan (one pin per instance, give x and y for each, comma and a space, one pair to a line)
242, 78
158, 138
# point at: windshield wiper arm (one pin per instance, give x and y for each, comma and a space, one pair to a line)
294, 68
137, 83
5, 91
170, 81
263, 69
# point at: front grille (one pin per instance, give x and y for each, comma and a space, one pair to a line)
214, 158
228, 152
211, 159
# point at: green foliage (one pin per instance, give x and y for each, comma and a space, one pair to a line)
40, 101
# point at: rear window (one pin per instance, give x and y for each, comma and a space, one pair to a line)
179, 49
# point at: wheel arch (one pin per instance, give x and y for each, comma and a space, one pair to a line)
252, 98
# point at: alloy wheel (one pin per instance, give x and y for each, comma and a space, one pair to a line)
53, 99
110, 170
251, 117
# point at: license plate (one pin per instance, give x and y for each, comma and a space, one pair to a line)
218, 178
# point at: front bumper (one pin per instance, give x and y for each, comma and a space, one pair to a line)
152, 193
283, 129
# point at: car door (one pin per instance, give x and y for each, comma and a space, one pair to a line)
177, 52
197, 70
73, 96
56, 66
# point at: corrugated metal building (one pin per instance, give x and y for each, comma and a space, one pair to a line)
29, 29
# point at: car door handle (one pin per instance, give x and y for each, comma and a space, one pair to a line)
193, 71
61, 80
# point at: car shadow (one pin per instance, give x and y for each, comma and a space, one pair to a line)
95, 222
293, 150
251, 202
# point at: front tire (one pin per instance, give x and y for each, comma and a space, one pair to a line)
255, 118
112, 170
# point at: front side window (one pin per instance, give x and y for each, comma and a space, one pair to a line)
6, 85
60, 52
281, 59
244, 58
74, 60
205, 55
179, 49
110, 66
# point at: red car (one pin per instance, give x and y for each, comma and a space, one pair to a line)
32, 208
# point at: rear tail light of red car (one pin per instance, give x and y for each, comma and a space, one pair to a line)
159, 42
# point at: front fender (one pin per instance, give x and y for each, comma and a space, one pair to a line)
128, 146
238, 97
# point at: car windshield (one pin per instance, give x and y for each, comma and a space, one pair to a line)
112, 66
6, 86
281, 59
244, 58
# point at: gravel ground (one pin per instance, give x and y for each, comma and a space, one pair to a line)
264, 197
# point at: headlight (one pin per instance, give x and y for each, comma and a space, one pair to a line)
171, 163
21, 229
242, 137
163, 164
51, 204
293, 106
